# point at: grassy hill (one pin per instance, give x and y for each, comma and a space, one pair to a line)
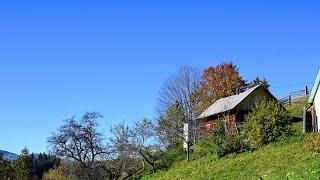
296, 109
287, 158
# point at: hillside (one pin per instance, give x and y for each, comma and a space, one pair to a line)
8, 155
287, 158
296, 109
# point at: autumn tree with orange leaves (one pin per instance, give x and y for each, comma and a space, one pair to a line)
217, 82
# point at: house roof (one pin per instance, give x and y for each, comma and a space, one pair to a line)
315, 88
226, 104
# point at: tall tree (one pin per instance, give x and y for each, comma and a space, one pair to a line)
170, 126
259, 81
217, 82
142, 132
122, 154
23, 166
80, 142
42, 163
178, 90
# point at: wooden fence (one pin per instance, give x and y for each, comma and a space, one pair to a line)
295, 96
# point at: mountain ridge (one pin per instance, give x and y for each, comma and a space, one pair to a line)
9, 156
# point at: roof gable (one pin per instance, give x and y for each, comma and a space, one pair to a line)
315, 88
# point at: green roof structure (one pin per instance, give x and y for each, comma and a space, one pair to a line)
314, 89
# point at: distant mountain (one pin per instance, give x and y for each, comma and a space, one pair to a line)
9, 156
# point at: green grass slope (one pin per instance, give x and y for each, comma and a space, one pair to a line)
287, 158
296, 109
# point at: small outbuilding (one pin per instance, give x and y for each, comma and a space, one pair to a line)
312, 113
232, 108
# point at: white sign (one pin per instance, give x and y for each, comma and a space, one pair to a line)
186, 135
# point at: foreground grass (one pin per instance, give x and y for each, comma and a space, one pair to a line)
288, 158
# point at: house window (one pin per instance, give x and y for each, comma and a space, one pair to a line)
208, 126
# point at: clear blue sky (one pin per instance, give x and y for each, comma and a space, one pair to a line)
60, 59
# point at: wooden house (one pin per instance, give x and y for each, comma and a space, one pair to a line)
232, 108
312, 113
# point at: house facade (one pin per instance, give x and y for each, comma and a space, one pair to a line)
312, 113
232, 108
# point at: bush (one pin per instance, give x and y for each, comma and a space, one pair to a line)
313, 142
232, 143
228, 140
204, 147
53, 174
265, 123
170, 156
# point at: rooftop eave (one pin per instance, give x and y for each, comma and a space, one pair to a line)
314, 89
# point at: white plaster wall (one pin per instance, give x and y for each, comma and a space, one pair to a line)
317, 107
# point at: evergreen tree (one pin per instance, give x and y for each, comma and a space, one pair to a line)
42, 163
23, 166
259, 81
5, 169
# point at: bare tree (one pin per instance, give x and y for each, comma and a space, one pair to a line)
80, 142
178, 91
124, 159
136, 141
143, 131
115, 168
120, 167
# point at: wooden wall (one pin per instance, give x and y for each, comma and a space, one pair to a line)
207, 127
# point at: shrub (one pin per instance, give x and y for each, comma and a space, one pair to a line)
170, 156
313, 142
228, 140
53, 174
232, 143
265, 123
204, 147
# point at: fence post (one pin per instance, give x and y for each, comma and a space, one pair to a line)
306, 91
289, 99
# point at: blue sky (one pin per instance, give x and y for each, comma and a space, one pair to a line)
64, 58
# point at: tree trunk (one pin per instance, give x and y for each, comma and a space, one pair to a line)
188, 151
153, 169
143, 164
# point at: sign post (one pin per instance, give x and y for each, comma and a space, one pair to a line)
186, 136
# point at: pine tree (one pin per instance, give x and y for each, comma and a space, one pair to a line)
257, 81
23, 166
5, 169
42, 163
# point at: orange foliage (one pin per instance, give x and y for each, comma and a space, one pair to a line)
218, 82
